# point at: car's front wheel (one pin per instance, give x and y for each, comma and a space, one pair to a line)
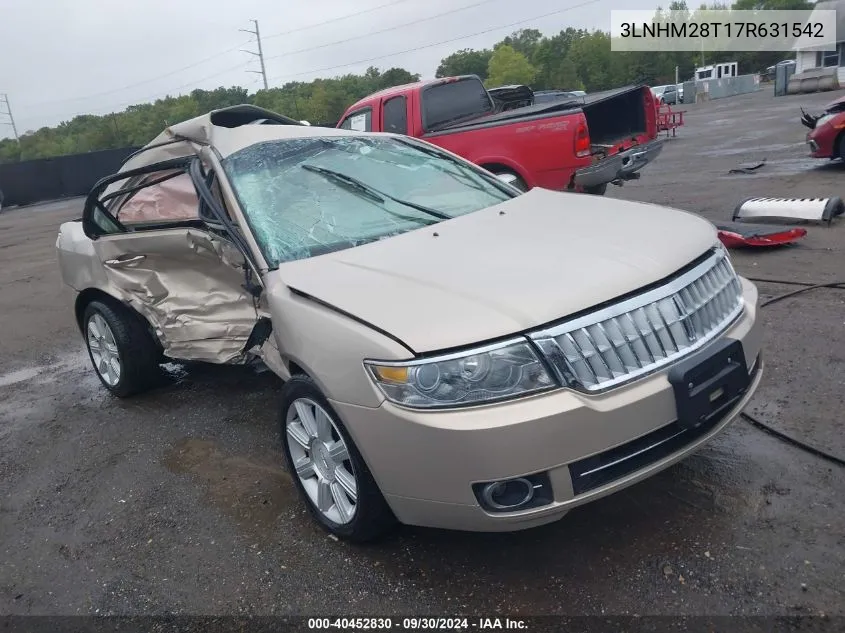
327, 468
121, 349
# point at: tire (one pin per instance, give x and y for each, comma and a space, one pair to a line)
512, 179
840, 146
107, 325
324, 463
598, 190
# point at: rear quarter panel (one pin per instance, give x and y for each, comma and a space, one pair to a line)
79, 265
540, 151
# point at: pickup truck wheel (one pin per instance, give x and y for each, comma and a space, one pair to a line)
512, 179
598, 190
120, 348
326, 467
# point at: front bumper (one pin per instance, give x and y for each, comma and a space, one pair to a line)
426, 462
821, 142
620, 166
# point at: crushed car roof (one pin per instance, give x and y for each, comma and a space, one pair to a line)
228, 130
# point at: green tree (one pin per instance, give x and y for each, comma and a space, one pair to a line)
397, 77
554, 69
594, 61
571, 59
524, 41
208, 100
10, 151
465, 62
508, 66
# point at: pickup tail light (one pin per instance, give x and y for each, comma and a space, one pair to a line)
582, 138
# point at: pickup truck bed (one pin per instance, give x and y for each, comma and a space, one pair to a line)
612, 115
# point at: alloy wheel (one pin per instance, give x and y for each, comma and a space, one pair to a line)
103, 349
321, 460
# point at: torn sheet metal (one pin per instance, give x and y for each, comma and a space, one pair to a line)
809, 120
790, 209
834, 107
756, 236
189, 285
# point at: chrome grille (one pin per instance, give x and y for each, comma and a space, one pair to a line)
646, 332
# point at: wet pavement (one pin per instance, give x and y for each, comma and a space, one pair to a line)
175, 501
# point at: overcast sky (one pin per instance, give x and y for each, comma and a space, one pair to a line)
59, 58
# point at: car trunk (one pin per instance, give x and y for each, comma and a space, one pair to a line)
615, 116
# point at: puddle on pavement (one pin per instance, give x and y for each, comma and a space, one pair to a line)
254, 491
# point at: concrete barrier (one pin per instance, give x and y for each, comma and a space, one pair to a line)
814, 80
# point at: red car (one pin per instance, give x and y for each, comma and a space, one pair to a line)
575, 144
826, 137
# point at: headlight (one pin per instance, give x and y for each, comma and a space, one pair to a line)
476, 376
827, 117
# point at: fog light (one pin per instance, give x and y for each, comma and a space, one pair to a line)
519, 493
506, 495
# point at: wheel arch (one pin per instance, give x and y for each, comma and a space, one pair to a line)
296, 367
85, 297
837, 145
497, 166
296, 370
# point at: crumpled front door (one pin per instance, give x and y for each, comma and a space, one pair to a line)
188, 283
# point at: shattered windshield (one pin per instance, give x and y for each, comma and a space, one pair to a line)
309, 197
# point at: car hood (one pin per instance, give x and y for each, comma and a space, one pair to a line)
526, 262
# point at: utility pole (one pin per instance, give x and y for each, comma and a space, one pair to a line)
259, 54
4, 99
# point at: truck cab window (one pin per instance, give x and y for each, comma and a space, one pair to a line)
360, 121
455, 102
396, 115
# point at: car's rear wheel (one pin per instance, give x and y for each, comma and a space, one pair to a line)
120, 348
326, 467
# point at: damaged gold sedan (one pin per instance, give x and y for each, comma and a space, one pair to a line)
455, 353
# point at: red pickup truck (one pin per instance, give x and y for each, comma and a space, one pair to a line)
578, 143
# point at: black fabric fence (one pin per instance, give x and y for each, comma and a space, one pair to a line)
60, 177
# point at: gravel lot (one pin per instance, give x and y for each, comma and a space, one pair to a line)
175, 502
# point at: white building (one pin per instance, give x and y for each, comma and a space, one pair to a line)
809, 59
716, 71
